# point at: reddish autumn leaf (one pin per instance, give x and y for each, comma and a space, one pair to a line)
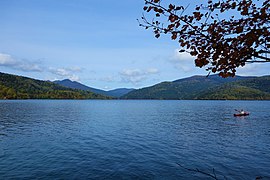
239, 29
174, 36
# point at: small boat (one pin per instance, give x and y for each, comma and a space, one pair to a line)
241, 114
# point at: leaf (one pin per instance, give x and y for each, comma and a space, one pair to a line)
179, 8
174, 36
173, 18
228, 42
239, 29
157, 35
233, 5
171, 7
170, 27
182, 50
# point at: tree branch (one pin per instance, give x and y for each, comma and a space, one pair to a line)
181, 19
262, 57
218, 43
199, 171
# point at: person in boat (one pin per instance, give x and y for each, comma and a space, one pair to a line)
242, 111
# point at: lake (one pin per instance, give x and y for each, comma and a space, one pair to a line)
133, 139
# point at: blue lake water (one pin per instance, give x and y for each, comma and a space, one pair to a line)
99, 139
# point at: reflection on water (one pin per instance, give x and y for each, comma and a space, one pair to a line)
93, 139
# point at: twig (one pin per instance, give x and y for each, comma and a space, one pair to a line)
199, 171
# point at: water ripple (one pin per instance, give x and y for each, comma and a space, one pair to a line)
132, 139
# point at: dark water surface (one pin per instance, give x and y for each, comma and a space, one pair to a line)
92, 139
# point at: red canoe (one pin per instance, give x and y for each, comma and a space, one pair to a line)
245, 114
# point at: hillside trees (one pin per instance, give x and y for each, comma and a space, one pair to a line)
222, 35
18, 87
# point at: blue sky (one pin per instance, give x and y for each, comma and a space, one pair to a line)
97, 43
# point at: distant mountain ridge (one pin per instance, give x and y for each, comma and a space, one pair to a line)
19, 87
202, 87
195, 87
76, 85
213, 78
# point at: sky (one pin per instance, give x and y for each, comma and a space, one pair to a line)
98, 43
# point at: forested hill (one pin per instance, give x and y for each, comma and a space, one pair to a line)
76, 85
212, 87
196, 87
247, 89
18, 87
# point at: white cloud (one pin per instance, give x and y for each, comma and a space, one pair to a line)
185, 62
66, 73
182, 61
152, 71
136, 76
7, 60
75, 69
254, 69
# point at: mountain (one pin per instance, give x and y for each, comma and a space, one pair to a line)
201, 87
213, 79
119, 92
246, 89
76, 85
18, 87
195, 87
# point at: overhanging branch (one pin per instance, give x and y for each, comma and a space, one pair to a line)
262, 57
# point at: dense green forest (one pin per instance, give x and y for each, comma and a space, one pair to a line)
249, 89
212, 87
18, 87
196, 87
